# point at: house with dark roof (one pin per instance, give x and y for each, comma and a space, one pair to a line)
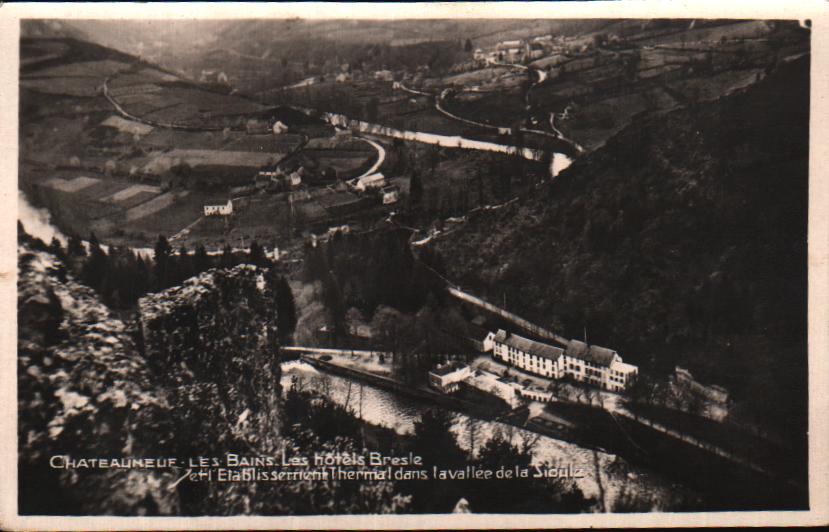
592, 364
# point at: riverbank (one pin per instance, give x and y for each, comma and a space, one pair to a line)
421, 393
724, 483
604, 473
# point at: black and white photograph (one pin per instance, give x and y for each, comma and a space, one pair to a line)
458, 265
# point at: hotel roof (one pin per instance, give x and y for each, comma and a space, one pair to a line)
528, 346
601, 356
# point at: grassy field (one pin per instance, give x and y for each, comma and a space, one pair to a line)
81, 86
93, 69
499, 109
163, 162
142, 76
190, 106
702, 89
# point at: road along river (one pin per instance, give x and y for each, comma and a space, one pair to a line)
380, 407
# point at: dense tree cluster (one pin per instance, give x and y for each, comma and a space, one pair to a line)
121, 276
368, 270
200, 379
434, 440
681, 242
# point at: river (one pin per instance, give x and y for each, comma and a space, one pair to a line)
383, 408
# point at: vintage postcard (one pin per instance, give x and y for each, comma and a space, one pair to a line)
512, 265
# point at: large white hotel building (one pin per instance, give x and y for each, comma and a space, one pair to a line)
592, 364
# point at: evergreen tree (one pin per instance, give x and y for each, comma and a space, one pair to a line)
334, 302
434, 442
184, 265
285, 308
372, 108
467, 47
162, 263
415, 189
227, 260
75, 247
201, 260
256, 255
57, 248
95, 267
141, 278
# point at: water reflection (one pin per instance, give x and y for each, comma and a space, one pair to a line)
383, 408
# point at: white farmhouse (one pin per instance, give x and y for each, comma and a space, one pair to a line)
219, 209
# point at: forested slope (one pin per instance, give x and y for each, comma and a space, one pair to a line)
682, 241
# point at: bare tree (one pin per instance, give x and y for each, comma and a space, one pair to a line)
599, 482
472, 430
529, 441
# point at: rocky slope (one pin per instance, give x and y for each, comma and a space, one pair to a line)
196, 374
85, 391
682, 241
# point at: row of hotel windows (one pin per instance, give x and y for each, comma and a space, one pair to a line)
570, 364
614, 376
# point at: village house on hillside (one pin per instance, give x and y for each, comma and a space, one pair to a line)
219, 207
213, 76
391, 194
512, 50
592, 364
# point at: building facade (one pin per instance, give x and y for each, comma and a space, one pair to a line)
598, 366
447, 378
219, 209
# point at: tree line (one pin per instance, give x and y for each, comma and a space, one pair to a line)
309, 408
121, 276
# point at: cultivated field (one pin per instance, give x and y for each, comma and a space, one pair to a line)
162, 163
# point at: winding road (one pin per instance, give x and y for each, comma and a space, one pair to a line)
381, 157
541, 75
